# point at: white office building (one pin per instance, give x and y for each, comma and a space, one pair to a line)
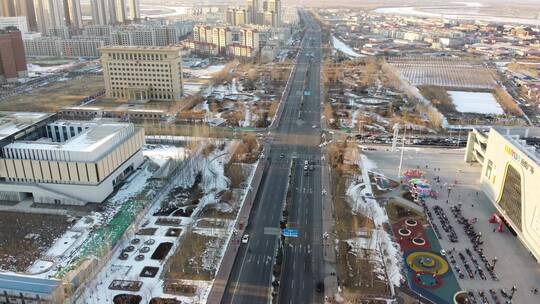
64, 162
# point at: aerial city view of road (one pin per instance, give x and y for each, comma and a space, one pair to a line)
269, 151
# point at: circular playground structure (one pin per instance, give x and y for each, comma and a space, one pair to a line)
411, 223
419, 241
404, 232
427, 262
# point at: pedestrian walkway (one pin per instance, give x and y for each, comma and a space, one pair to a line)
26, 207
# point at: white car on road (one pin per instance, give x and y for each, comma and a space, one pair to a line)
245, 239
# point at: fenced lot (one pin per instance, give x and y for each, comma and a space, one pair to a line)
444, 72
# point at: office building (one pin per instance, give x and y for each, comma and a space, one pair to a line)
64, 162
140, 74
510, 177
12, 59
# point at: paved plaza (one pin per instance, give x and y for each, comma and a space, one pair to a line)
514, 267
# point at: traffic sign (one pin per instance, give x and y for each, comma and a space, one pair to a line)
307, 93
289, 232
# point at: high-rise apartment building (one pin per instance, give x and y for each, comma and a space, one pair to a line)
140, 74
19, 8
7, 8
19, 22
133, 10
49, 14
236, 16
115, 11
73, 14
253, 10
273, 7
12, 59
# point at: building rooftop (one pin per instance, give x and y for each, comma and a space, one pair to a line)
526, 139
26, 284
92, 142
167, 48
13, 122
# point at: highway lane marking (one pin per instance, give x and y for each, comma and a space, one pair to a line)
239, 277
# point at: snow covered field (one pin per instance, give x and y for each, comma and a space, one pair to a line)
36, 70
344, 48
161, 11
465, 11
205, 73
160, 153
475, 102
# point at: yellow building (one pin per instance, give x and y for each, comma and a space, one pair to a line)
511, 177
140, 74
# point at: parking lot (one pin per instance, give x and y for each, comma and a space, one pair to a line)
514, 266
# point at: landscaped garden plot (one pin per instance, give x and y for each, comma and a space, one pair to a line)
196, 258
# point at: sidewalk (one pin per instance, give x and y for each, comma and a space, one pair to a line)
330, 280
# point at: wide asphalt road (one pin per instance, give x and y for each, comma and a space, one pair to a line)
295, 139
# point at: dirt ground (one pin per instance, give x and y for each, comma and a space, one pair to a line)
54, 96
186, 263
24, 237
357, 276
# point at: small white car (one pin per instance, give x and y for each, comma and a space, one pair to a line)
245, 239
443, 252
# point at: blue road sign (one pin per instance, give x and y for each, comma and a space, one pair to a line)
289, 232
307, 93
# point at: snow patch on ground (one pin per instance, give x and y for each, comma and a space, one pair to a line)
384, 254
34, 68
475, 102
360, 195
344, 48
205, 72
160, 154
132, 187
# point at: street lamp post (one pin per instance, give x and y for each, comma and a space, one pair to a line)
402, 150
